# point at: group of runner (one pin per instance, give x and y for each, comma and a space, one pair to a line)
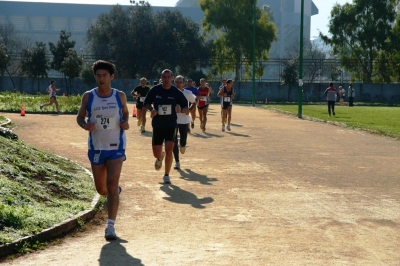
203, 98
104, 113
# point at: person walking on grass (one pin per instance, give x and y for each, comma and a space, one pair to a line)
164, 101
331, 96
183, 122
52, 91
139, 93
342, 94
107, 121
227, 94
351, 93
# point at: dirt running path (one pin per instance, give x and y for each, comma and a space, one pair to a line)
276, 190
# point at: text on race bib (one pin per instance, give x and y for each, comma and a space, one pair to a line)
164, 109
203, 98
227, 99
141, 99
106, 122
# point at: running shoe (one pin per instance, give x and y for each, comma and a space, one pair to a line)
139, 122
223, 127
166, 179
158, 163
110, 233
177, 165
192, 124
228, 127
182, 149
142, 129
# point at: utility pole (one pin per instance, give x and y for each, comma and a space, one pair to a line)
254, 54
300, 90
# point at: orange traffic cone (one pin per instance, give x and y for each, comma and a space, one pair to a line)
266, 100
23, 110
134, 111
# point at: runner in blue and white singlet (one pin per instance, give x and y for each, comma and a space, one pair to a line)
105, 113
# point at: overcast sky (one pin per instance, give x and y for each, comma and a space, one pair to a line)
318, 22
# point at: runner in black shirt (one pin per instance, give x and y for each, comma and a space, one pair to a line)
139, 93
164, 101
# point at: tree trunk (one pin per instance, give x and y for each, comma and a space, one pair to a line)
70, 87
11, 78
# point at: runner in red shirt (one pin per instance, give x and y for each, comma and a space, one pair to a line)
202, 103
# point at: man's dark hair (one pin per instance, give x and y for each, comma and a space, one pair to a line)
228, 81
331, 84
51, 81
104, 65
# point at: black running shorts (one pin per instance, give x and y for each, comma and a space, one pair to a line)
161, 134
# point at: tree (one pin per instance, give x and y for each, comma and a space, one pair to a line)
60, 51
13, 44
71, 67
142, 43
35, 63
313, 56
389, 61
290, 75
87, 76
359, 33
230, 23
4, 58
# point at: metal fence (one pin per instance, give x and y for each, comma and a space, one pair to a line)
314, 70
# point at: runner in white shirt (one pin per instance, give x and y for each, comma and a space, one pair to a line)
52, 91
183, 121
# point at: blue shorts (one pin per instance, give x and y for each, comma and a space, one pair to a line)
98, 157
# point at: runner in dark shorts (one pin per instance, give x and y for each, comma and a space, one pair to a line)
139, 93
164, 102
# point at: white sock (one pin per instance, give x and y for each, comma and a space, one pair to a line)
110, 222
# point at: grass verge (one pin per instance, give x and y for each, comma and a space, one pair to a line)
382, 120
38, 190
12, 102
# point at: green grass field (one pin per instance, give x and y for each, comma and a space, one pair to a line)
381, 120
12, 102
38, 190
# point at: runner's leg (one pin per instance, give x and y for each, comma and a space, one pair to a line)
169, 146
205, 110
113, 174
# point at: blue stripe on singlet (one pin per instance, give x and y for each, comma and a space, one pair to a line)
88, 110
121, 132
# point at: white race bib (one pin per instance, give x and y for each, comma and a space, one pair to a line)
106, 122
203, 98
141, 99
227, 99
164, 109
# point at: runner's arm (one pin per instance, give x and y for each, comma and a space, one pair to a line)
220, 93
80, 119
148, 103
182, 101
125, 112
